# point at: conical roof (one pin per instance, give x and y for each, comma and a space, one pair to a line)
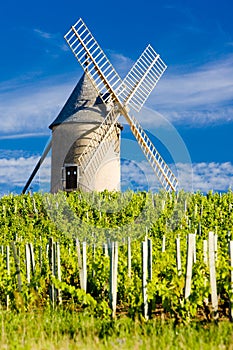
83, 106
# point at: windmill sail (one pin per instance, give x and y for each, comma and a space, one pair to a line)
141, 79
93, 60
160, 168
132, 92
97, 148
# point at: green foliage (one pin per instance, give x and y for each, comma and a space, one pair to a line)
98, 218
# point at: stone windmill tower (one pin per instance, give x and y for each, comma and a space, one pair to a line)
86, 134
76, 125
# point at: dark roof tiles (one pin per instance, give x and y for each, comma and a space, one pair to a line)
83, 105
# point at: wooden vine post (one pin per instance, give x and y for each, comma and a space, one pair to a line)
28, 263
129, 256
58, 261
82, 263
8, 272
84, 267
113, 276
205, 260
146, 252
178, 256
51, 265
164, 244
17, 266
189, 264
32, 258
213, 283
149, 258
105, 249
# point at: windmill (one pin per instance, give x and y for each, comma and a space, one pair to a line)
118, 98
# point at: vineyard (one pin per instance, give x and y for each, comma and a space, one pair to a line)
140, 255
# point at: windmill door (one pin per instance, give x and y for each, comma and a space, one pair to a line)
71, 177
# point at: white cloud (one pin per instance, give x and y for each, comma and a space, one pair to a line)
207, 176
27, 107
8, 154
14, 172
121, 63
192, 177
55, 39
133, 176
32, 108
137, 175
22, 136
202, 95
43, 34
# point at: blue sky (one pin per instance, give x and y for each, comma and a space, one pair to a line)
193, 98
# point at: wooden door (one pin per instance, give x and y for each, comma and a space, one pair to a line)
71, 177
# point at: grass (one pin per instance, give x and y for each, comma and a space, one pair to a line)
62, 330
